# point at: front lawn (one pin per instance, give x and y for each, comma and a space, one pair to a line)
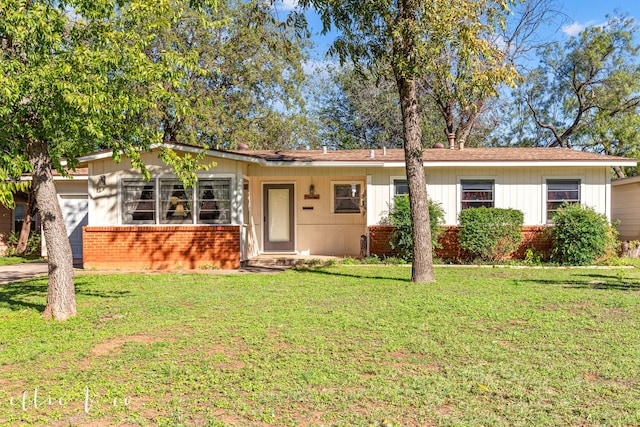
331, 346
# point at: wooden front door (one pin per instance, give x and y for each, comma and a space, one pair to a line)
278, 218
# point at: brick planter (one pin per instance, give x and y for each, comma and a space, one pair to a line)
161, 247
532, 237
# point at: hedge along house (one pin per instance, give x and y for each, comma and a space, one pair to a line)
315, 202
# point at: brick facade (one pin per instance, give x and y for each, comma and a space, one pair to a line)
532, 237
161, 247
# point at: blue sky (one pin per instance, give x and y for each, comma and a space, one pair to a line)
580, 13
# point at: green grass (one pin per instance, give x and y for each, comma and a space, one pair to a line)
328, 346
11, 260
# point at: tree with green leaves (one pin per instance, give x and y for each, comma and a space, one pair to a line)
586, 92
358, 108
247, 87
411, 35
76, 76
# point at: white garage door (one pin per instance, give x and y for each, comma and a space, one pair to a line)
76, 215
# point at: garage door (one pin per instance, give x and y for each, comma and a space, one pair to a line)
75, 213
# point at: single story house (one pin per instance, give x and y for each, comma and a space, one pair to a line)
625, 207
315, 202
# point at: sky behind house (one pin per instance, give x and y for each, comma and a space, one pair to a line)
580, 14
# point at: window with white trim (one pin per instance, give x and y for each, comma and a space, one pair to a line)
346, 198
400, 187
214, 201
559, 192
139, 202
477, 193
167, 201
176, 202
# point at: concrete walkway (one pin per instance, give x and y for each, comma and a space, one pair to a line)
27, 270
30, 270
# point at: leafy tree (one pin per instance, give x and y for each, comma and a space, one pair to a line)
409, 35
74, 77
463, 84
586, 92
359, 108
247, 84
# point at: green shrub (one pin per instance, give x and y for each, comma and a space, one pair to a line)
400, 219
581, 235
33, 244
490, 233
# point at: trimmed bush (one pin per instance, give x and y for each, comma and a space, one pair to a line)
400, 218
580, 235
490, 233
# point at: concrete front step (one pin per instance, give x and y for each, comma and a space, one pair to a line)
285, 261
269, 261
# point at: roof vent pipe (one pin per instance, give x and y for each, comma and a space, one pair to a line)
324, 150
384, 151
461, 144
451, 137
372, 154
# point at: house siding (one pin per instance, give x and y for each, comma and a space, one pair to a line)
625, 208
161, 247
515, 187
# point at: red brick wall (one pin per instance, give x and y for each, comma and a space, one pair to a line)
379, 236
161, 247
532, 237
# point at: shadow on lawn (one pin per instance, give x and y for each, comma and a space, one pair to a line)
321, 270
19, 295
595, 281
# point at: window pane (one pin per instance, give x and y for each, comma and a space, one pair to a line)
400, 187
559, 192
214, 201
346, 198
139, 202
477, 193
175, 203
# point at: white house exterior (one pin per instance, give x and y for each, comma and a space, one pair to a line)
317, 202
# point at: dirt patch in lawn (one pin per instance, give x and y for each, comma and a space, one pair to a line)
113, 345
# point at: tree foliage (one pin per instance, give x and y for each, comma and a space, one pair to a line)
586, 92
74, 77
247, 85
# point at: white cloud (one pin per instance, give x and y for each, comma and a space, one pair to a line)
576, 28
286, 4
573, 29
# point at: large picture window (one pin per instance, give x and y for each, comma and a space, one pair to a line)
560, 191
346, 198
167, 201
477, 193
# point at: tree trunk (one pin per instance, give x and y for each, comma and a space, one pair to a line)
61, 299
422, 267
26, 224
619, 172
